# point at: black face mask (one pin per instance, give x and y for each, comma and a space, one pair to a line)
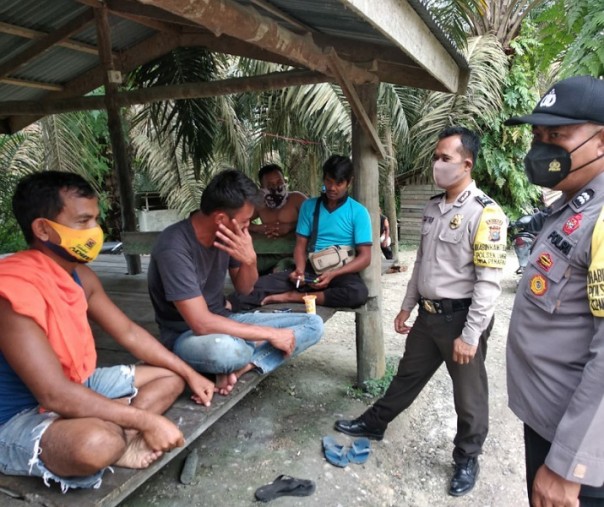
547, 165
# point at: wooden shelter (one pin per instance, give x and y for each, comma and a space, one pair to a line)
54, 52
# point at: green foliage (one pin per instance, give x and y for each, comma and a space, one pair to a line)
374, 388
476, 109
500, 171
11, 238
572, 36
190, 123
73, 142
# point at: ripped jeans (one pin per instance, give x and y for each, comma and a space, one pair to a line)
20, 436
222, 353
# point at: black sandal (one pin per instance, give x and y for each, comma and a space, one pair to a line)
284, 485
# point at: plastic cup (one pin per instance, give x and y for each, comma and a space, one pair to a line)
310, 303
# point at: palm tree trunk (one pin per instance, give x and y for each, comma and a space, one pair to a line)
389, 192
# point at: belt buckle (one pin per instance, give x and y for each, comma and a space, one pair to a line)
429, 306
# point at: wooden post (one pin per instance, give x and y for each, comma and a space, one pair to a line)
369, 332
121, 159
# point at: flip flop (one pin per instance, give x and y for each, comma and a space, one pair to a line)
284, 485
335, 453
359, 452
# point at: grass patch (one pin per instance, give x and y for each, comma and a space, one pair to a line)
374, 388
407, 247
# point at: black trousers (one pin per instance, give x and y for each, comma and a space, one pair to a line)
536, 449
428, 345
387, 251
347, 290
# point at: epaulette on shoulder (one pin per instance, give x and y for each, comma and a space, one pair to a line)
484, 200
437, 196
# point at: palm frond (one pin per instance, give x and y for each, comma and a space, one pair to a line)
476, 109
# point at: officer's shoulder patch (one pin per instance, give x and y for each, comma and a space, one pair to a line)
583, 198
437, 196
484, 200
595, 273
490, 239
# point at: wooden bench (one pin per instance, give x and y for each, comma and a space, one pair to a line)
141, 243
130, 294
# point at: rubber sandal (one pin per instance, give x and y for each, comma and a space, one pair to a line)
359, 452
284, 485
335, 453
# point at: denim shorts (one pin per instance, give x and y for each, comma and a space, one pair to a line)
20, 436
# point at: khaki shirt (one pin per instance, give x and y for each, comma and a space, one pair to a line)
461, 256
555, 348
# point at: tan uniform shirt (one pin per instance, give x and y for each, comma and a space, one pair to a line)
461, 255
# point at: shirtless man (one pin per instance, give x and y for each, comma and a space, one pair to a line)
61, 417
341, 221
279, 213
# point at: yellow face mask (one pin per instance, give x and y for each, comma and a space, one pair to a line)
79, 245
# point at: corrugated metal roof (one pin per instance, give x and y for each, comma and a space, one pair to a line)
57, 65
61, 65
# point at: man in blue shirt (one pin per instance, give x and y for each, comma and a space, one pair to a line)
341, 221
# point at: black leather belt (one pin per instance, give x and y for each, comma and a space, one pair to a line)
445, 306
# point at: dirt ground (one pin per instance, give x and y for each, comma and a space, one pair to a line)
278, 429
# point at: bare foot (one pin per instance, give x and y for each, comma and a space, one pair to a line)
137, 454
225, 383
285, 297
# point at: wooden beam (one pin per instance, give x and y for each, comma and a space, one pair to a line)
132, 9
413, 37
154, 47
389, 63
119, 146
230, 46
43, 44
245, 23
147, 15
356, 105
263, 4
405, 75
28, 33
22, 83
271, 81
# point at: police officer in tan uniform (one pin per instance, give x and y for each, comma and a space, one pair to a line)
455, 281
555, 350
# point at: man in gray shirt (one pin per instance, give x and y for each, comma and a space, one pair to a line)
555, 350
186, 278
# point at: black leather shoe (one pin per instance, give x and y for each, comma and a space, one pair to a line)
464, 478
358, 428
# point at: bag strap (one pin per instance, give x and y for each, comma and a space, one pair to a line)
310, 247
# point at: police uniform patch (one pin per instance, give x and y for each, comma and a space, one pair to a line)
462, 198
484, 200
572, 224
495, 225
595, 273
489, 243
538, 285
456, 221
556, 239
583, 198
545, 261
